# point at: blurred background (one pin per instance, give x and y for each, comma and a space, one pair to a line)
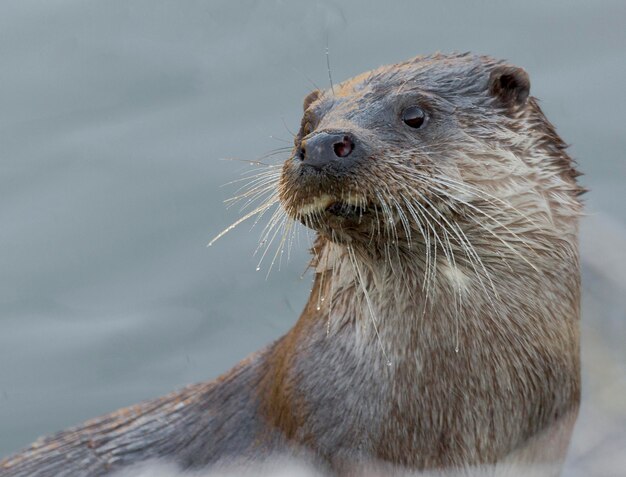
113, 119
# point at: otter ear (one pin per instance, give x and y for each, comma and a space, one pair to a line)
310, 98
510, 84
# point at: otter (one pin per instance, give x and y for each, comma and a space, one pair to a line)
442, 330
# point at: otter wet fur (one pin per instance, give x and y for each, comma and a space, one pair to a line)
442, 331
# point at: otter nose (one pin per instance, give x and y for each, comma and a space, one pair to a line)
326, 148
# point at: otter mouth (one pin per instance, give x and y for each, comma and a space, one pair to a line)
346, 211
332, 207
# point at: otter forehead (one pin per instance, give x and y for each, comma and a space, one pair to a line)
450, 76
448, 83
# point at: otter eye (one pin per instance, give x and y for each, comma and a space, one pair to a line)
414, 117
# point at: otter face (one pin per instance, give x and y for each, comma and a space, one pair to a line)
400, 153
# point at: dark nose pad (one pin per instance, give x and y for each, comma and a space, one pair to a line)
326, 148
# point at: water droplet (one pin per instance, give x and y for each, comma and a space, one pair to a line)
322, 299
258, 268
389, 363
318, 308
456, 349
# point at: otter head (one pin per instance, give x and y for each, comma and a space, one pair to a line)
425, 151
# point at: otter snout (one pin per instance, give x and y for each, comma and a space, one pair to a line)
325, 149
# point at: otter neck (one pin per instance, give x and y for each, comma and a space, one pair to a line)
394, 300
402, 296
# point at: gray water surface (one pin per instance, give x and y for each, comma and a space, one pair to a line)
113, 119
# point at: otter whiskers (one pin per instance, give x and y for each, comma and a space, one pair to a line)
263, 187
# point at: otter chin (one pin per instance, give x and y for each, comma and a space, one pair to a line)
442, 330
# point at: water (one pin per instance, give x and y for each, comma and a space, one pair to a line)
113, 118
